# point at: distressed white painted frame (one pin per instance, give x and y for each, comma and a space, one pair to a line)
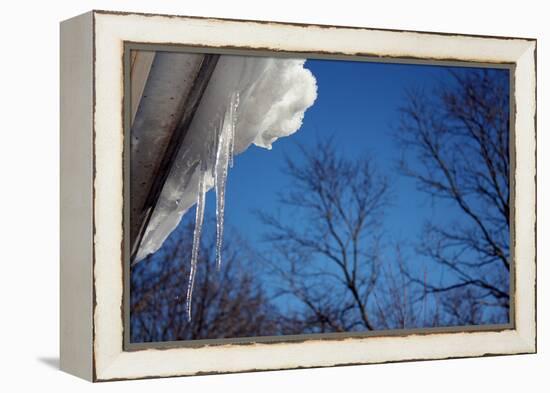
107, 359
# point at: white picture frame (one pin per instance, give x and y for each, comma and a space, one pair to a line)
92, 194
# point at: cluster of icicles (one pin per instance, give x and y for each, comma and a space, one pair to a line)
219, 159
269, 96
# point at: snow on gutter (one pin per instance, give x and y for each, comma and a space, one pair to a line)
248, 100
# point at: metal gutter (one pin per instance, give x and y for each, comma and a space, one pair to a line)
171, 96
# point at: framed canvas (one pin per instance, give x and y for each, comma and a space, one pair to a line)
246, 195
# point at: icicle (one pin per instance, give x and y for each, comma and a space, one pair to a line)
224, 159
199, 219
235, 99
218, 159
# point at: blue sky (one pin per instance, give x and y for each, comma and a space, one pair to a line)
358, 105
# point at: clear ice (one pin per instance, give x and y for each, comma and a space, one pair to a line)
222, 159
199, 219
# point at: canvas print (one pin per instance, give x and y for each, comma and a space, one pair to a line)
275, 197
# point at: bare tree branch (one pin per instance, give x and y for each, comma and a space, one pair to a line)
456, 146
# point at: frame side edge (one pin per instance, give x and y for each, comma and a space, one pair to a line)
76, 176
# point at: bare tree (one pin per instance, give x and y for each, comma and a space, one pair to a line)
329, 259
227, 303
399, 303
456, 147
